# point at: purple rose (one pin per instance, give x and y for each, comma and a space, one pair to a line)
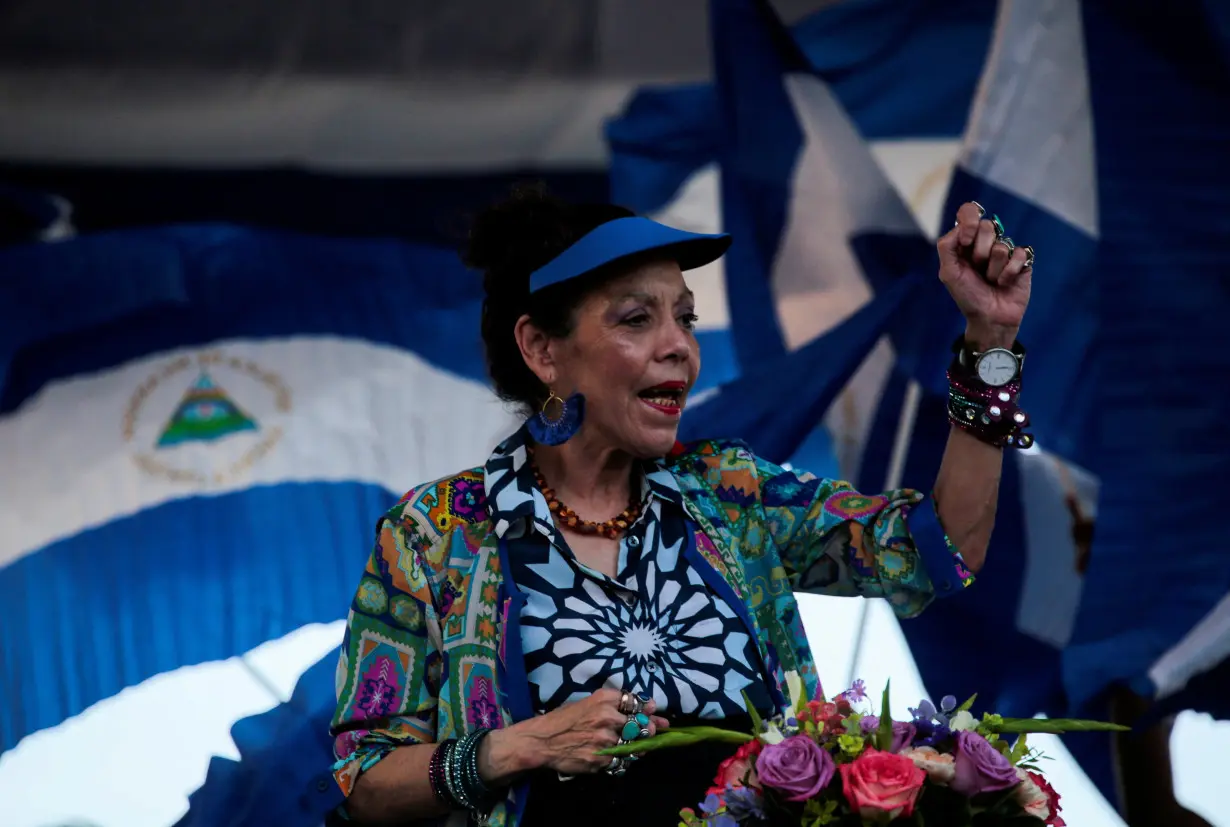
903, 732
979, 767
796, 766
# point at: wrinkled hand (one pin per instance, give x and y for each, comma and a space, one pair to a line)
567, 740
989, 281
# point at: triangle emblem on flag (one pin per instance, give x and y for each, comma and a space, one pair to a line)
205, 413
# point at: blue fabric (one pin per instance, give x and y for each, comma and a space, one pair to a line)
624, 237
1164, 448
111, 606
775, 405
933, 547
901, 68
425, 208
761, 143
282, 776
182, 286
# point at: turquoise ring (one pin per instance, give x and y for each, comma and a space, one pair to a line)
999, 226
637, 726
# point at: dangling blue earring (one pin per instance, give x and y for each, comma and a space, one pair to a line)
556, 428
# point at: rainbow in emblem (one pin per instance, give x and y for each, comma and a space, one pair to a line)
204, 414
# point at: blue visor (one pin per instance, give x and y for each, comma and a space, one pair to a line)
624, 237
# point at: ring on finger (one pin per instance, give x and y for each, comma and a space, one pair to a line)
630, 704
999, 226
637, 726
1007, 242
1029, 257
616, 767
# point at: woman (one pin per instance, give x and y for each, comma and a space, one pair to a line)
594, 579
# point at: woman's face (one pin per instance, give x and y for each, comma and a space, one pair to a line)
633, 354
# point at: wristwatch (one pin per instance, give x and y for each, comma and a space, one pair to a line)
995, 367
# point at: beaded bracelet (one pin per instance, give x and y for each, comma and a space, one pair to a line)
454, 774
436, 772
989, 414
473, 788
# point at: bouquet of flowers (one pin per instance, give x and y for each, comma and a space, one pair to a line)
838, 763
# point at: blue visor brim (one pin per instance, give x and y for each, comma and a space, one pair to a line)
623, 237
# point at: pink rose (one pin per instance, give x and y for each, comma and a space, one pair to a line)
796, 766
979, 767
738, 770
882, 786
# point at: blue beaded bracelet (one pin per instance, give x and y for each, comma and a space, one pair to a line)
463, 779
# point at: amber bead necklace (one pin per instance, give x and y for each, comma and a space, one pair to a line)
567, 518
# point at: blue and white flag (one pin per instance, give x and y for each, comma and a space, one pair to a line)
1028, 157
199, 428
819, 228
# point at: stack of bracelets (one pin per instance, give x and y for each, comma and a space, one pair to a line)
990, 413
454, 774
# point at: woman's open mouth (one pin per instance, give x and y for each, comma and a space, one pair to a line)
666, 398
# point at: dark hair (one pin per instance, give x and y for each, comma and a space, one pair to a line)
508, 242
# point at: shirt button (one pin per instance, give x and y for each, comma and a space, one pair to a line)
634, 541
651, 666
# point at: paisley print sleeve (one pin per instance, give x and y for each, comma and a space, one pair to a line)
837, 541
388, 673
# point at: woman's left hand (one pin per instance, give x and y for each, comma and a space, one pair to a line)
987, 279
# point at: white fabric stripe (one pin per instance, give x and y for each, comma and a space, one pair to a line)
1031, 125
1205, 646
838, 190
1050, 585
327, 409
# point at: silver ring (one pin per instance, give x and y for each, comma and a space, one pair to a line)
1007, 242
1029, 257
630, 704
616, 767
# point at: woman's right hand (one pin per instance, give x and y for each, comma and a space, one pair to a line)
568, 739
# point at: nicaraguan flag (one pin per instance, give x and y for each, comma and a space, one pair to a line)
199, 426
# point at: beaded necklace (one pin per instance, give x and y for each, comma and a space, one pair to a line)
567, 518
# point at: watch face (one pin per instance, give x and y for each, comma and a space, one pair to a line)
996, 367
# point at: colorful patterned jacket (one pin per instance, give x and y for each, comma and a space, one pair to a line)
425, 658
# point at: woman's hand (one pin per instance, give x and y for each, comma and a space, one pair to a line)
988, 280
567, 740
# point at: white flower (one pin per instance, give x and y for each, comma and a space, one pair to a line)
1031, 797
771, 734
938, 767
797, 690
963, 721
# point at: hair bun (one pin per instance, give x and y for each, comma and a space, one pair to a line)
518, 235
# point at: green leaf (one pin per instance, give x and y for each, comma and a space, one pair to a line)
1055, 726
757, 723
884, 735
968, 705
678, 737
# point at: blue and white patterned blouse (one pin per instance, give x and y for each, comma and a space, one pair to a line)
655, 628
